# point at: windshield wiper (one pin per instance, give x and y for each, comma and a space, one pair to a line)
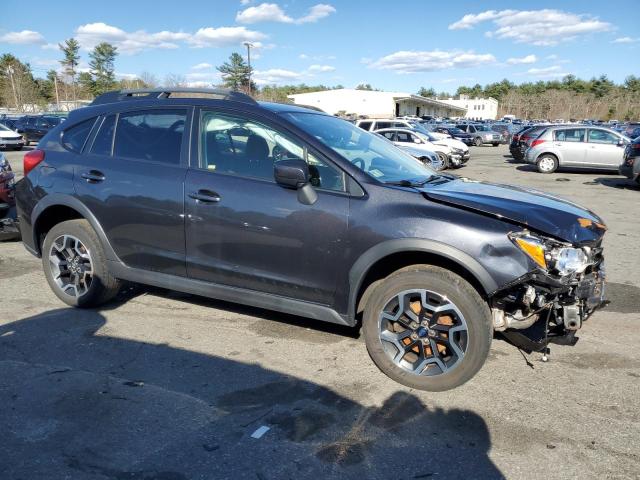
413, 183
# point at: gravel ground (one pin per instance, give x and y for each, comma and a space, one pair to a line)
165, 386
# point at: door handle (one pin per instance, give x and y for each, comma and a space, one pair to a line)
205, 196
93, 176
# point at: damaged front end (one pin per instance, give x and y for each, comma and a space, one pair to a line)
550, 303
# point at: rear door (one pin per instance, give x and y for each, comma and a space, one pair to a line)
243, 229
603, 150
132, 179
571, 144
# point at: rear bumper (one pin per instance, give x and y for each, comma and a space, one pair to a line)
17, 143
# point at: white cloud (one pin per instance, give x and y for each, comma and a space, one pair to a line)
321, 68
522, 60
303, 56
429, 61
50, 46
547, 72
245, 2
91, 34
275, 76
222, 36
272, 12
126, 76
202, 66
538, 27
24, 37
626, 40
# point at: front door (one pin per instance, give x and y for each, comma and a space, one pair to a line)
244, 230
133, 184
603, 150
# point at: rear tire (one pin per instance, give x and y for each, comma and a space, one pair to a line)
495, 144
547, 163
71, 250
441, 287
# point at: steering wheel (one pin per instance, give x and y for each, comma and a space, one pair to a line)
279, 153
358, 162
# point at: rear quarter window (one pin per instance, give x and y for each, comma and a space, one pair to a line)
74, 138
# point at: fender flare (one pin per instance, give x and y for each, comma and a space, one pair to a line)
61, 199
362, 266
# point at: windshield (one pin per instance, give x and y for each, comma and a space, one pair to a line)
482, 128
367, 151
456, 131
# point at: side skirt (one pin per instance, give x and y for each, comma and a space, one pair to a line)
229, 294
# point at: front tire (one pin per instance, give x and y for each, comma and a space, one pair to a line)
477, 142
427, 328
75, 265
495, 144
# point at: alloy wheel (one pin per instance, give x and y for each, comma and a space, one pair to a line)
423, 332
546, 164
71, 266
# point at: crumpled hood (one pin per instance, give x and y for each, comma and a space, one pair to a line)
531, 208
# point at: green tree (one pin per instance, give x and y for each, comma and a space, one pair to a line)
236, 74
71, 51
364, 86
18, 88
102, 68
427, 92
632, 83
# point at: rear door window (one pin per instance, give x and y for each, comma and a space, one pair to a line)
570, 135
404, 137
74, 138
152, 135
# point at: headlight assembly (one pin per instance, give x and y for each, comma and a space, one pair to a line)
570, 260
551, 255
531, 245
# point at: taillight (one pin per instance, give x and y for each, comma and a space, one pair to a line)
31, 160
536, 142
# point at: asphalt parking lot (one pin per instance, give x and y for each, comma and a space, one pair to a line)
166, 386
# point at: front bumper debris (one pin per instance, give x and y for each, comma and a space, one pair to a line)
538, 309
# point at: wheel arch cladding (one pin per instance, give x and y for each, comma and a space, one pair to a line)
56, 208
385, 258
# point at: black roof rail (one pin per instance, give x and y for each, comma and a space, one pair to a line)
160, 92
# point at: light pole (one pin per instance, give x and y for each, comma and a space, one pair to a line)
249, 45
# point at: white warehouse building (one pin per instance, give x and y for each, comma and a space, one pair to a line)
375, 104
476, 108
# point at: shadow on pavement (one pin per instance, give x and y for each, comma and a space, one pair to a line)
80, 402
618, 182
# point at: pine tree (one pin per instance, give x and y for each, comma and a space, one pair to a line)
71, 50
102, 68
236, 74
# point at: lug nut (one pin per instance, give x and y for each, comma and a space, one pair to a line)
414, 336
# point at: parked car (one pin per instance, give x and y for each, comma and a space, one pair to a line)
576, 147
420, 153
373, 124
456, 133
482, 134
630, 166
523, 140
10, 138
34, 127
632, 130
504, 129
403, 136
8, 219
294, 210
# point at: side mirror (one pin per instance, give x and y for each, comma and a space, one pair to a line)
294, 173
621, 142
291, 173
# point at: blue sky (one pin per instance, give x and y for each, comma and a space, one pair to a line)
391, 45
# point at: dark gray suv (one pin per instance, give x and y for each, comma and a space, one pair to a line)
286, 208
